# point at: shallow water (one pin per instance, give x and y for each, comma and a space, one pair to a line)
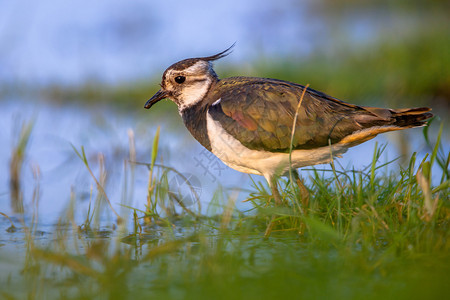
185, 259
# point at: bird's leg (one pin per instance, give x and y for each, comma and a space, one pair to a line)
274, 187
304, 193
272, 180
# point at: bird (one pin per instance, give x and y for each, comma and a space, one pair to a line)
271, 127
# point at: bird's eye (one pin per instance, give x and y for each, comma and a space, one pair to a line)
180, 79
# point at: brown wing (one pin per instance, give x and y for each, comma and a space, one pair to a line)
260, 113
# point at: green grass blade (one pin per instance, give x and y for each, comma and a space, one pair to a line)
155, 148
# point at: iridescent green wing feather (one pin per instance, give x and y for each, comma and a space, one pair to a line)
260, 114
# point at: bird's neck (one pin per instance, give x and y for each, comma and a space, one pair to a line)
194, 118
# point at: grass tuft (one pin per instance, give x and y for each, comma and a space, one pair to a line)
362, 234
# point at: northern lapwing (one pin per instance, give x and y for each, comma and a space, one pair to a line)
248, 122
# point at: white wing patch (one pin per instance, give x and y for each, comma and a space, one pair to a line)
216, 102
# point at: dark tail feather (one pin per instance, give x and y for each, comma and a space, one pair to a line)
382, 120
411, 117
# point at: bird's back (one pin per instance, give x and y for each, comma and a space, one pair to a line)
260, 112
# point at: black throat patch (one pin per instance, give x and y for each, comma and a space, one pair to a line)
194, 118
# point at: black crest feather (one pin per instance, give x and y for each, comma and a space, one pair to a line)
186, 63
220, 54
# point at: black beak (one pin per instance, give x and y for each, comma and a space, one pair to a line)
156, 97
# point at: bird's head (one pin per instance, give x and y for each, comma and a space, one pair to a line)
187, 81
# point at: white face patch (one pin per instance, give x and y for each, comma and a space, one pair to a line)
193, 93
199, 77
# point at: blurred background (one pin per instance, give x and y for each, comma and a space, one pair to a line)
393, 51
79, 72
